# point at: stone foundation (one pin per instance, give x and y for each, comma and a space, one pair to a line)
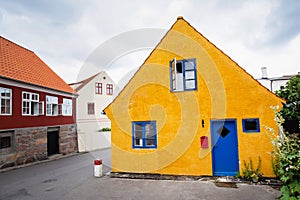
30, 145
68, 139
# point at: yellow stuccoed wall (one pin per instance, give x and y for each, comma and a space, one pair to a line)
225, 91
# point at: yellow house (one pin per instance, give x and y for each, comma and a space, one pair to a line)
190, 110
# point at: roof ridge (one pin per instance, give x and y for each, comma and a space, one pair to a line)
85, 81
16, 44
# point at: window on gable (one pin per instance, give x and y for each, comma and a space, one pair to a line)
98, 88
67, 107
109, 89
91, 108
51, 106
251, 125
5, 101
6, 141
30, 103
183, 75
144, 134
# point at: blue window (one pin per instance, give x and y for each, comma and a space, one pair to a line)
251, 125
183, 75
144, 134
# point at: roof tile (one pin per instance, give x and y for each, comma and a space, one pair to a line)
21, 64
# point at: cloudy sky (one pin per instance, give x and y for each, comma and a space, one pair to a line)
65, 33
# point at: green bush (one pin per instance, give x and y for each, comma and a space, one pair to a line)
104, 129
286, 160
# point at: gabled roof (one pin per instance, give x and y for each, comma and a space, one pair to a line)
180, 18
79, 85
20, 64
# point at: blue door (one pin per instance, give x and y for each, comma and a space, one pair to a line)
224, 147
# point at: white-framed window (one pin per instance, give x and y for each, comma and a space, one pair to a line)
30, 103
51, 106
67, 107
5, 101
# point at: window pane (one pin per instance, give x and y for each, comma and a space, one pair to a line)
34, 108
48, 109
189, 65
138, 127
54, 109
5, 142
190, 84
189, 75
138, 135
179, 67
25, 107
251, 125
2, 110
149, 133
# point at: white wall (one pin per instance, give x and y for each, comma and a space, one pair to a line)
89, 138
90, 141
273, 85
277, 84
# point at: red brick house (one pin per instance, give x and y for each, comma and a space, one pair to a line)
37, 113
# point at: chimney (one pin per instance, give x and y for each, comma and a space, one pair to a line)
264, 73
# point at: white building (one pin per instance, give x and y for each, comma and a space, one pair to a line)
274, 83
95, 93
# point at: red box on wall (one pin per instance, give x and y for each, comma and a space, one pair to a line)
204, 142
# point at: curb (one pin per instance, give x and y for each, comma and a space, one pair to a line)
226, 180
49, 159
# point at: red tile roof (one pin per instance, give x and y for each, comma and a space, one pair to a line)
21, 64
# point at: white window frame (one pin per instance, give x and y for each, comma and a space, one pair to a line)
5, 98
32, 101
52, 106
67, 107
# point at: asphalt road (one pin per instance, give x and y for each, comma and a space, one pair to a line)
53, 179
72, 178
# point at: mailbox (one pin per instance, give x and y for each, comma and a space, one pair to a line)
204, 142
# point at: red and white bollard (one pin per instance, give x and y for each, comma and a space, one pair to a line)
97, 168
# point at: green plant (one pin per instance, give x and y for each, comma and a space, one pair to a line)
286, 159
291, 93
251, 173
104, 129
275, 166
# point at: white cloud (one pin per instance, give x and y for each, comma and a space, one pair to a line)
64, 33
